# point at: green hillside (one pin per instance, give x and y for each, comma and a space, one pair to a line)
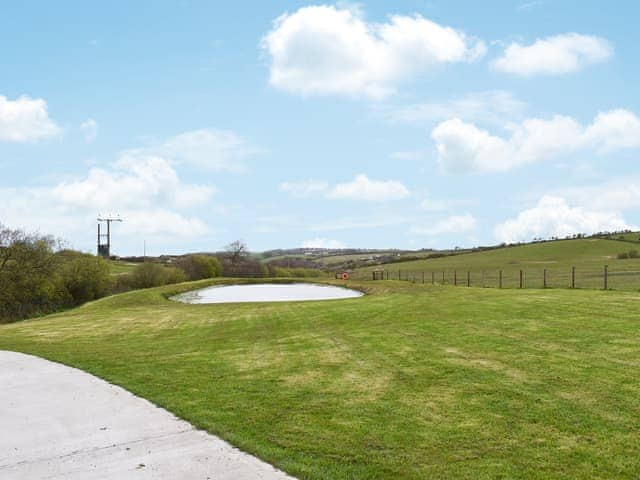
589, 256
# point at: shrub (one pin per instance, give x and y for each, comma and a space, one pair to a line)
147, 275
623, 255
84, 277
633, 254
197, 267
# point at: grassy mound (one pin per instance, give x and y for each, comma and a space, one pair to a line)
409, 381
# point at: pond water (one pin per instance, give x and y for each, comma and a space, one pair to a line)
266, 292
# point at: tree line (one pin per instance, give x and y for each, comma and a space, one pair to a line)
39, 276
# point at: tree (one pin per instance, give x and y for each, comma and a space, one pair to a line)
28, 277
199, 266
237, 251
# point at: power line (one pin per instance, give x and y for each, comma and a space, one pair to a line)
104, 239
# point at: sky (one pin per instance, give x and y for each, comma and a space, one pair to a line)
406, 124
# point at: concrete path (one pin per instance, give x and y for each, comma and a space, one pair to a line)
58, 422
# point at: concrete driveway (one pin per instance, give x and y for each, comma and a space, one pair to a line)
58, 422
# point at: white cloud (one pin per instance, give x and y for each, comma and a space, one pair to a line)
146, 191
326, 50
457, 224
208, 148
553, 216
90, 130
25, 119
362, 188
320, 242
133, 183
304, 188
490, 106
464, 148
555, 55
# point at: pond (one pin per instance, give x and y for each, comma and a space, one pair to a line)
266, 292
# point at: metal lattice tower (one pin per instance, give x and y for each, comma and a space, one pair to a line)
104, 239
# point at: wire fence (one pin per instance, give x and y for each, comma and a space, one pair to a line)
572, 277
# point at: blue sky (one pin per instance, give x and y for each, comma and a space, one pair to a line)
403, 124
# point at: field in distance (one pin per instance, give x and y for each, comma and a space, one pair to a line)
588, 255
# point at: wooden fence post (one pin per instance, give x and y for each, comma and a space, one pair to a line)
500, 280
520, 278
606, 277
544, 278
423, 278
468, 279
433, 278
443, 277
573, 277
455, 278
399, 275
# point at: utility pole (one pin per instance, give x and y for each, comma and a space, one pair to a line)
104, 239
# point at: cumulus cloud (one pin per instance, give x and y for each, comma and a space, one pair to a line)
25, 120
463, 147
327, 50
454, 224
555, 55
133, 182
320, 242
209, 148
304, 188
145, 190
363, 188
553, 216
89, 129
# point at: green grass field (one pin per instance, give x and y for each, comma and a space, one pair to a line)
119, 267
589, 256
409, 381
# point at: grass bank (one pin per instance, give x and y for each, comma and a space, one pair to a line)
589, 256
409, 381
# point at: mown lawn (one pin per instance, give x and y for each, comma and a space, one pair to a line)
409, 381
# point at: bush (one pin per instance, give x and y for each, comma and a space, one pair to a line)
629, 254
84, 277
197, 267
147, 275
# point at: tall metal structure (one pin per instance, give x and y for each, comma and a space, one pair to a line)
104, 239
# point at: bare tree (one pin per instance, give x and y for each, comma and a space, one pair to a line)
236, 251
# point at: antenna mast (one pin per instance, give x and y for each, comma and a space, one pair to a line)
104, 239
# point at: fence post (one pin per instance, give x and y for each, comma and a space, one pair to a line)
606, 277
468, 279
443, 277
433, 278
455, 278
482, 278
573, 277
399, 275
423, 278
544, 278
520, 278
500, 280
